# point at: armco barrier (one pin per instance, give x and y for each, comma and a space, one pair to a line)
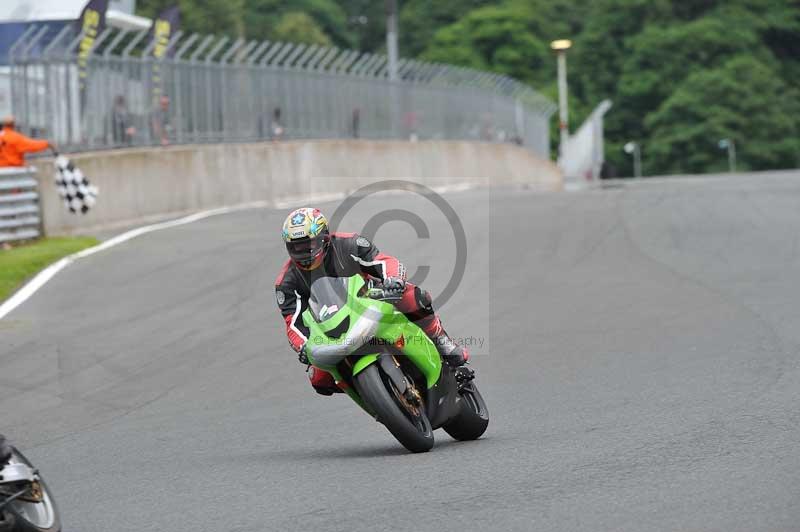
145, 184
19, 204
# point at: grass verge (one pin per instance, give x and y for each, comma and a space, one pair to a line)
20, 263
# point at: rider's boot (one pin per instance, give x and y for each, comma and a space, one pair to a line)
450, 351
322, 381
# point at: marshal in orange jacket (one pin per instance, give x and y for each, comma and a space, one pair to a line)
14, 146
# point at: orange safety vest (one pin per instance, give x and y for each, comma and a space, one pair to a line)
14, 146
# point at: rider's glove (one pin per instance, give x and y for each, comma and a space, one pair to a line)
302, 356
5, 450
394, 285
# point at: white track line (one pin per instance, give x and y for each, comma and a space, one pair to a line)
32, 286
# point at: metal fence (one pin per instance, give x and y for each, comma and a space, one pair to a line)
19, 205
125, 90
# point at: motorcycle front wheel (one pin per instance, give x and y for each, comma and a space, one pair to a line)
407, 423
29, 516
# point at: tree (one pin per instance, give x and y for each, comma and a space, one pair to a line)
421, 19
599, 51
221, 17
661, 57
743, 99
301, 28
330, 17
258, 19
637, 53
366, 20
495, 38
262, 17
778, 25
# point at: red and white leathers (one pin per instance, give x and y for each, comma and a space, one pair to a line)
347, 254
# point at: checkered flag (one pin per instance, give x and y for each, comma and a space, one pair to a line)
73, 187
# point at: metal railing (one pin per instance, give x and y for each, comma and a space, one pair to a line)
19, 204
211, 89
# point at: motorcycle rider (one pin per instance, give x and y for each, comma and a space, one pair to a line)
315, 252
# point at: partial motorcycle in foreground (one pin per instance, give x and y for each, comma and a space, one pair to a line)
26, 504
388, 365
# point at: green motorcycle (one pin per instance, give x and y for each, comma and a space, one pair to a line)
388, 365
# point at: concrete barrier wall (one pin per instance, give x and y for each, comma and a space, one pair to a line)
141, 185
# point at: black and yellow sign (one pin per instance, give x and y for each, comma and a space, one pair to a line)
90, 24
164, 27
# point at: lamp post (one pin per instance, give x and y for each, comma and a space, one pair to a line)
636, 150
560, 47
728, 144
391, 37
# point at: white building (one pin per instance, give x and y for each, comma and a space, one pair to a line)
120, 12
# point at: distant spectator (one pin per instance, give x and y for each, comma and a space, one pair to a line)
161, 121
356, 122
122, 130
487, 128
608, 171
262, 125
410, 124
14, 145
276, 126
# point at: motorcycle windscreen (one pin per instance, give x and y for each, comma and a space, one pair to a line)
328, 296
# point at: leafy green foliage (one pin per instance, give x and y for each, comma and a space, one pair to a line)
202, 16
420, 19
661, 57
322, 21
639, 53
299, 27
491, 38
323, 17
600, 49
743, 100
366, 22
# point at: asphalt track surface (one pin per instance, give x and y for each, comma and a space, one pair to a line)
640, 365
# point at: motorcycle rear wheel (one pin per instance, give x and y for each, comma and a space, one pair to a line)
414, 432
473, 416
